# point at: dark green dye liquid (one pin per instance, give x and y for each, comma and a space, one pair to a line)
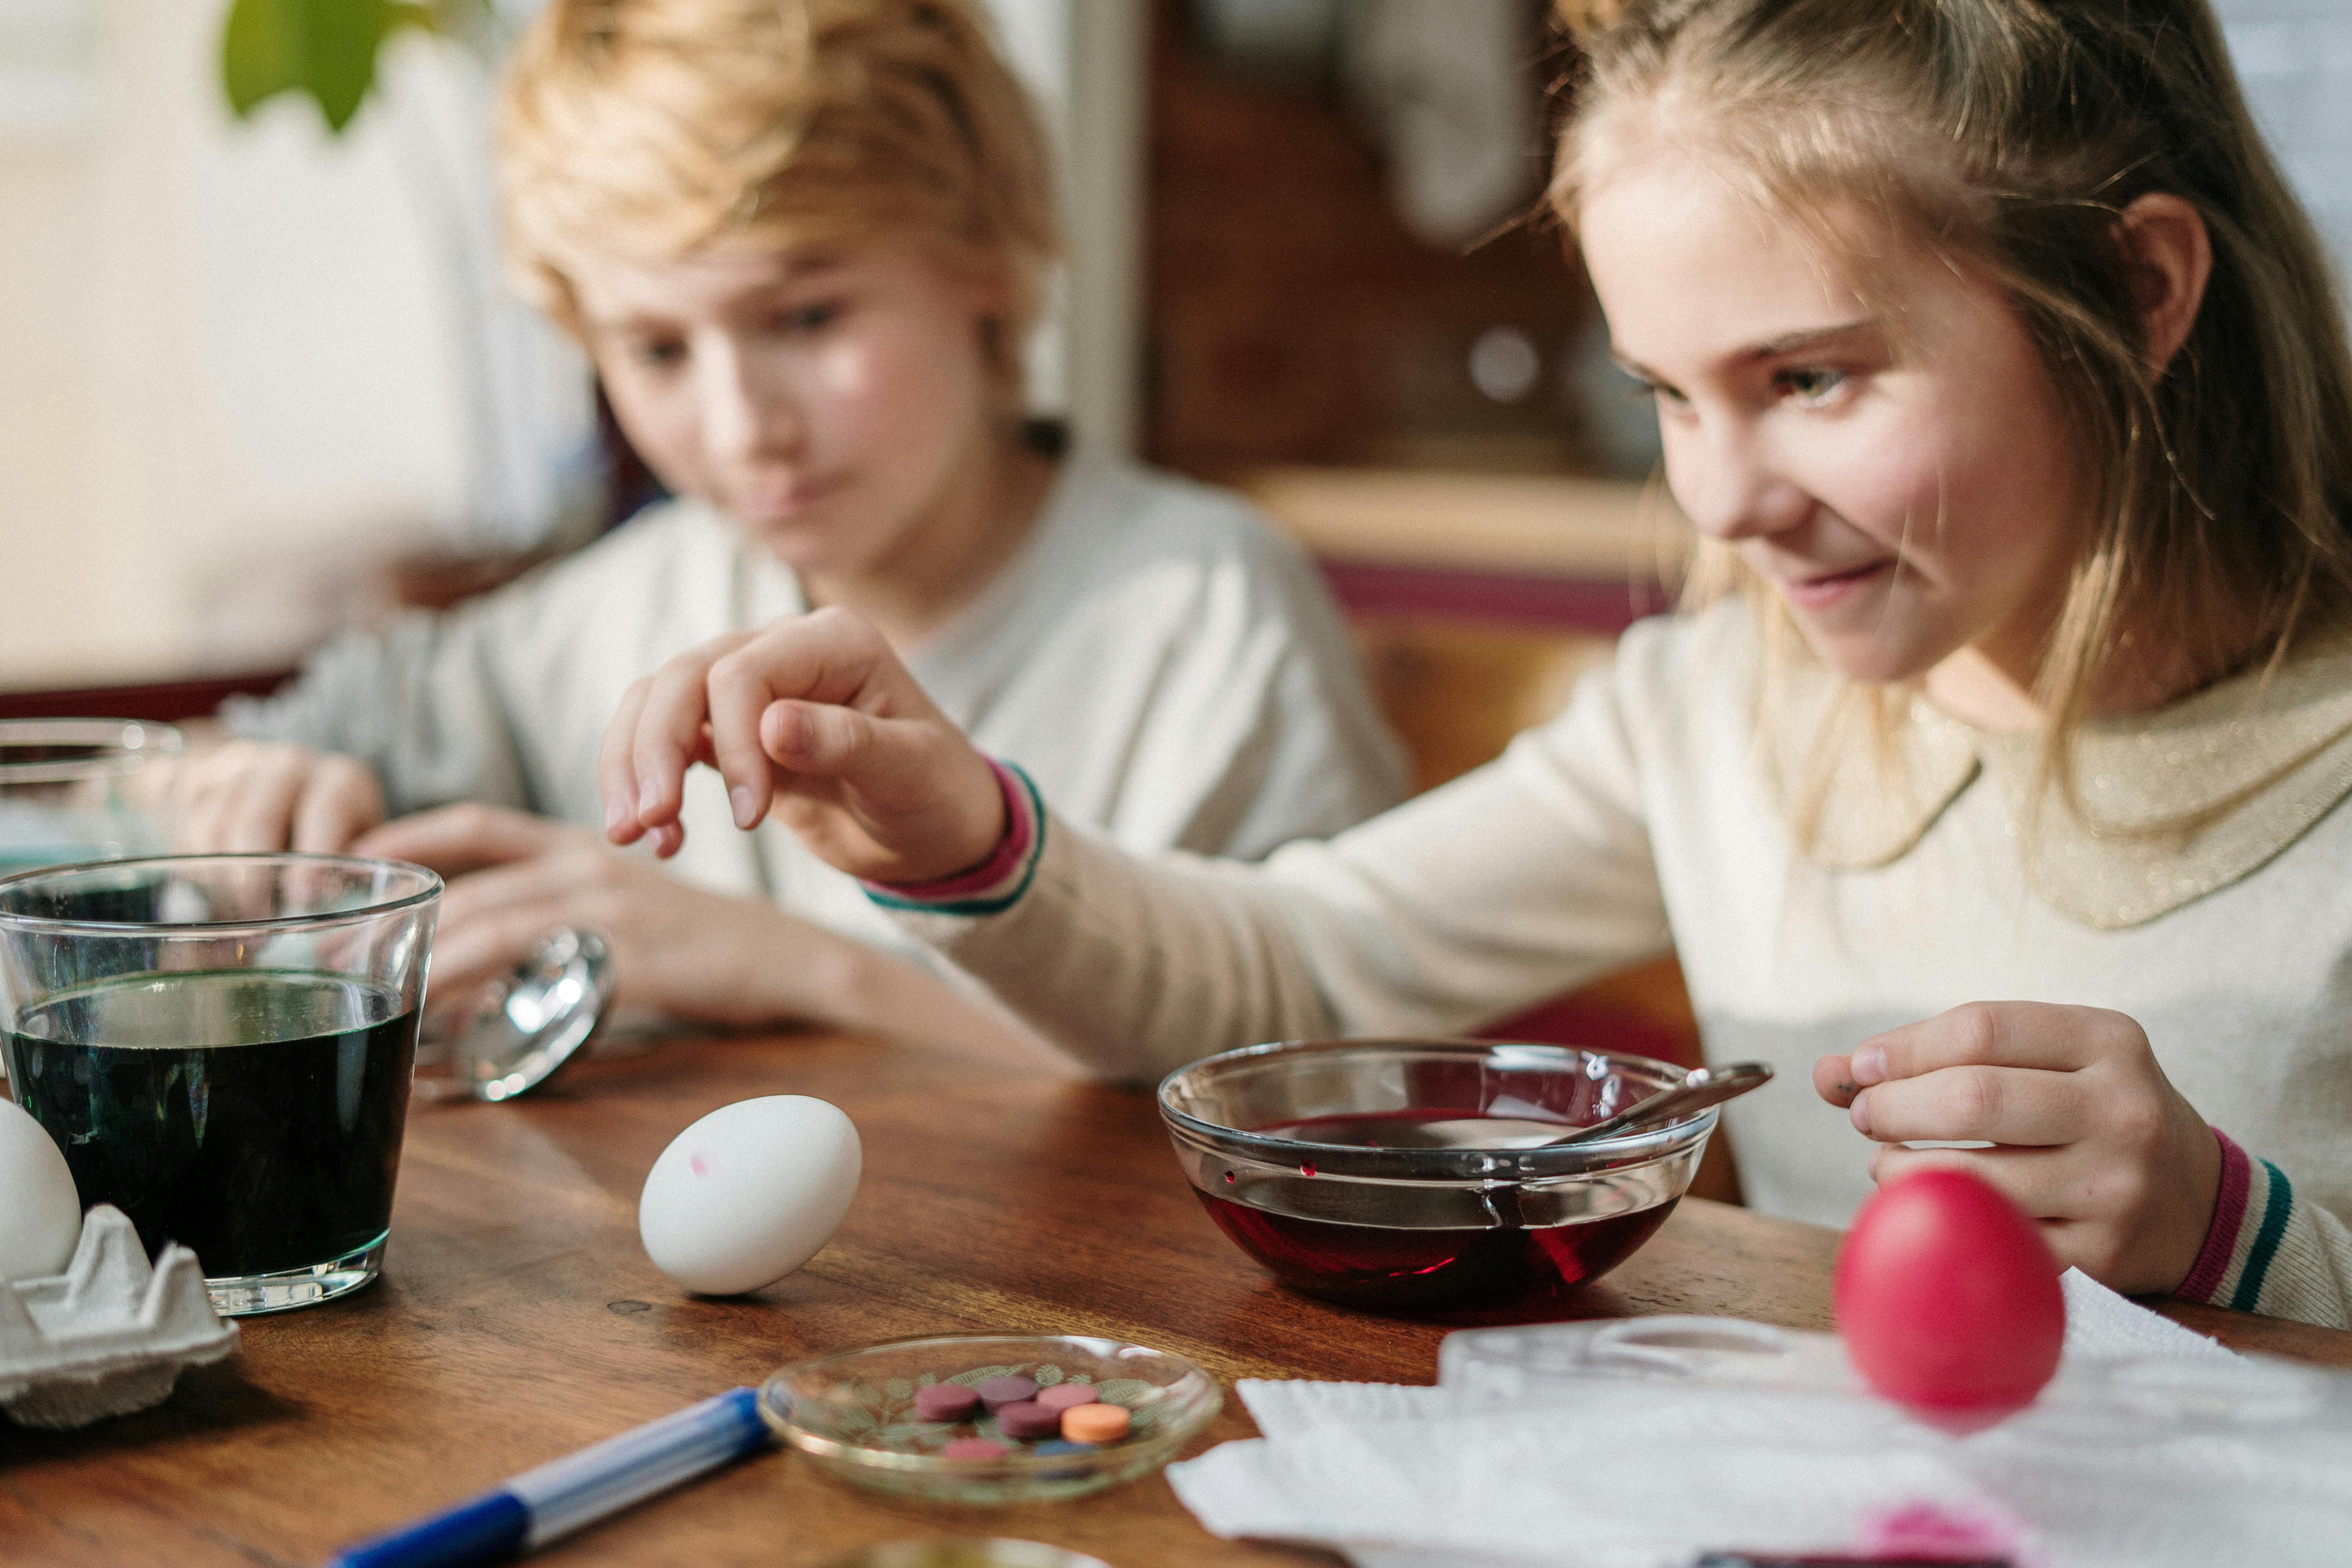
252, 1115
127, 900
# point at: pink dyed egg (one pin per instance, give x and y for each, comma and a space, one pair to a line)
1949, 1301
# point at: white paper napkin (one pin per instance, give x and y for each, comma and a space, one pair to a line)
1612, 1472
2100, 1323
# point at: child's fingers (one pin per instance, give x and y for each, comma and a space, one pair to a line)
825, 742
338, 805
740, 693
257, 814
2047, 1183
616, 768
669, 730
2018, 1106
1992, 1034
459, 840
1833, 1081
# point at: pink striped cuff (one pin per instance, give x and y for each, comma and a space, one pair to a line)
997, 883
2204, 1281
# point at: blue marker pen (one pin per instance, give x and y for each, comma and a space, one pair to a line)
542, 1505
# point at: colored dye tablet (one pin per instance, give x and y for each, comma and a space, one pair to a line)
1094, 1424
945, 1402
974, 1449
1028, 1418
1001, 1391
1067, 1396
1058, 1448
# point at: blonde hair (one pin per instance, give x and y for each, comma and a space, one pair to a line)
2009, 136
652, 128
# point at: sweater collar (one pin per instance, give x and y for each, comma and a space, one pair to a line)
2175, 804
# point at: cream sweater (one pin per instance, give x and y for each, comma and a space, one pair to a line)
1647, 815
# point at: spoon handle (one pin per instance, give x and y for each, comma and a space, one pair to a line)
1703, 1088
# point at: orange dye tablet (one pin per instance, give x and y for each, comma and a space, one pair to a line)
1094, 1424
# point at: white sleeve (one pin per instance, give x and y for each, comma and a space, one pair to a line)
1280, 706
1240, 717
420, 703
1514, 883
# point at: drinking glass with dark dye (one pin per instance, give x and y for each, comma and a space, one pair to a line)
1408, 1175
227, 1063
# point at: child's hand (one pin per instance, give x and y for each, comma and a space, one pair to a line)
2093, 1140
816, 719
246, 796
677, 948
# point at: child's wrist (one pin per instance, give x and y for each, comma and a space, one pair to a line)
997, 881
2212, 1269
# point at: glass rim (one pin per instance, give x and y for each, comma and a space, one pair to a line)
432, 888
1435, 1166
154, 739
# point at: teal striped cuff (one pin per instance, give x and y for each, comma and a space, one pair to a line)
2250, 1220
995, 884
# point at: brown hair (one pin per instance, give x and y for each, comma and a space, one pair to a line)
2009, 135
651, 128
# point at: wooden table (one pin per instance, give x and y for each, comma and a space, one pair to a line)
520, 1319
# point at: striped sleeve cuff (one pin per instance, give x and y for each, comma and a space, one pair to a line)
997, 883
2256, 1204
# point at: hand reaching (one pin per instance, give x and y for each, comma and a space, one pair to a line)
2089, 1137
814, 719
260, 795
681, 950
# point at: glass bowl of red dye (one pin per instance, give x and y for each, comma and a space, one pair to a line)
1404, 1176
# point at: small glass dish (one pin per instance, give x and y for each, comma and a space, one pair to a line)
1412, 1176
966, 1552
65, 794
853, 1415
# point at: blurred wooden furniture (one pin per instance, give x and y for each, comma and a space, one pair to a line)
1291, 316
520, 1319
166, 702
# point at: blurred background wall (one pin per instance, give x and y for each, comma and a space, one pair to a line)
249, 366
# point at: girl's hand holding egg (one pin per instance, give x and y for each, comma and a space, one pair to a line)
2090, 1138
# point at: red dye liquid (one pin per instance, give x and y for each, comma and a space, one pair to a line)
1425, 1269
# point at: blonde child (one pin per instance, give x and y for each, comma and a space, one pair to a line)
1999, 784
803, 241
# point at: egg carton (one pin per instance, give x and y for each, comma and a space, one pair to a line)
109, 1335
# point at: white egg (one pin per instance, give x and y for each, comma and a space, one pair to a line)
40, 1213
750, 1193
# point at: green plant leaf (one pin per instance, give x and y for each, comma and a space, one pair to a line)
326, 48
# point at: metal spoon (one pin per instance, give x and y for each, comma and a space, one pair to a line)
1699, 1088
544, 1013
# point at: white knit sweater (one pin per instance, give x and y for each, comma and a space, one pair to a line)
1647, 815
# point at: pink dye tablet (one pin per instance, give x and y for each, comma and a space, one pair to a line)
974, 1449
1028, 1418
945, 1402
999, 1391
1067, 1396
